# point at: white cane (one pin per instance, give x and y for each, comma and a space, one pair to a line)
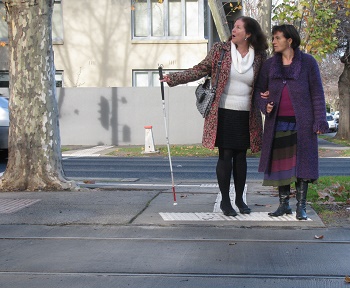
166, 131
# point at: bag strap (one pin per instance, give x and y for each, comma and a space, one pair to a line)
219, 67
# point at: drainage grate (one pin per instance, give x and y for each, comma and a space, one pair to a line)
212, 216
13, 205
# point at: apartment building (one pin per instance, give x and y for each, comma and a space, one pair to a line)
120, 43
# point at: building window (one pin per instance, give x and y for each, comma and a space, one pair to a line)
5, 79
59, 78
57, 23
150, 78
3, 24
168, 19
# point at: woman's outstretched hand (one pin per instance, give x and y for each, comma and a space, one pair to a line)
165, 79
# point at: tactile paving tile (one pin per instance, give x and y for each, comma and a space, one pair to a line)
13, 205
212, 216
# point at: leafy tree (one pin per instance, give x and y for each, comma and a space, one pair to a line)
317, 24
34, 161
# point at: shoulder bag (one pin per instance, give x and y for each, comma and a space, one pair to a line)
205, 94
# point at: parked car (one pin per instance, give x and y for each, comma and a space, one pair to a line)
333, 126
4, 124
336, 116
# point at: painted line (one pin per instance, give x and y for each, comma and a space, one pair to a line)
91, 152
117, 183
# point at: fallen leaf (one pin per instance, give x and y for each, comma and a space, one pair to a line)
347, 279
263, 205
319, 237
183, 196
89, 181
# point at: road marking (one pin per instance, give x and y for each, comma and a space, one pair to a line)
91, 152
13, 205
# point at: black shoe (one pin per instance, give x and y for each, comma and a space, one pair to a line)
228, 210
243, 208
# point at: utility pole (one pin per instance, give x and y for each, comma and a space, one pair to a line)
219, 17
265, 8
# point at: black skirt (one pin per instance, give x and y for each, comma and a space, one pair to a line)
233, 129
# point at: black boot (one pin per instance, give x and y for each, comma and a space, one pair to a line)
301, 187
284, 207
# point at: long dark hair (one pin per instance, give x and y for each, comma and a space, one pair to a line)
257, 37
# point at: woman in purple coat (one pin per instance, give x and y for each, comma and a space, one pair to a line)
293, 102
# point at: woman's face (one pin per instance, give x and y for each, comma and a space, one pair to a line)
238, 32
280, 43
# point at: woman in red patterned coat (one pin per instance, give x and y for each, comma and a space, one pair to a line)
234, 122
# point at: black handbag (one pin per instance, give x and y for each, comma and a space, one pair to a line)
205, 94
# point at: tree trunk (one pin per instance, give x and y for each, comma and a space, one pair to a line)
265, 8
34, 161
344, 98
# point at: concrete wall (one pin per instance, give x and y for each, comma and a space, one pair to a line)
117, 116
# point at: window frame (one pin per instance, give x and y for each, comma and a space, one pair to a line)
5, 78
151, 72
201, 22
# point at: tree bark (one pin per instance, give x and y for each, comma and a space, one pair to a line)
344, 97
34, 162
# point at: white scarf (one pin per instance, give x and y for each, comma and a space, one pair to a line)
242, 65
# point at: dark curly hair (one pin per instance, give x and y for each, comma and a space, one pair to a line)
257, 37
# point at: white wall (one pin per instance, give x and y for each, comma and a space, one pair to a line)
117, 116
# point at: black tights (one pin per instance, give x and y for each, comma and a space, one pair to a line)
235, 161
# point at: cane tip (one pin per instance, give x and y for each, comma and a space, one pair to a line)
175, 204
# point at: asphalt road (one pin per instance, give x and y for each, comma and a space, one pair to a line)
157, 169
186, 169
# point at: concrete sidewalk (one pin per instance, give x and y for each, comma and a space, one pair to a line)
128, 204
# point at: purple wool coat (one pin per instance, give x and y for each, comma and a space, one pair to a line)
208, 67
307, 97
